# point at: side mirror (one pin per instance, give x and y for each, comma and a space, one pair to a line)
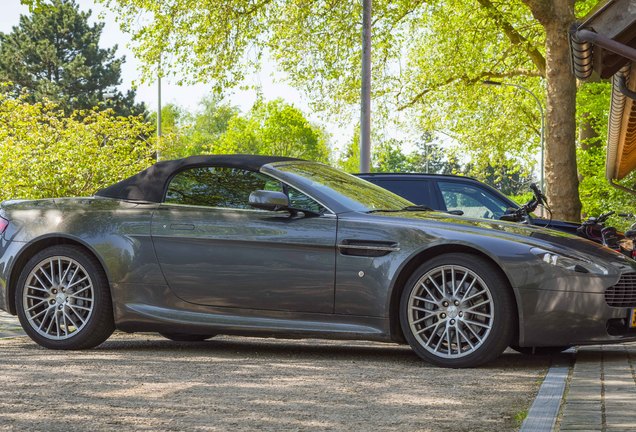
269, 200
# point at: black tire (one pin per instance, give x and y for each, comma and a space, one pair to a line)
432, 322
539, 351
82, 306
185, 337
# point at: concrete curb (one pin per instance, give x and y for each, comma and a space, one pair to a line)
545, 408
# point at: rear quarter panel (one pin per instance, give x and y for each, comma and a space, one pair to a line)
116, 232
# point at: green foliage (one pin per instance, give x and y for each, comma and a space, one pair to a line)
44, 153
597, 195
427, 157
275, 128
54, 54
506, 177
429, 60
210, 123
349, 160
427, 63
522, 198
272, 128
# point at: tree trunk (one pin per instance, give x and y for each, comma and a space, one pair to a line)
562, 184
560, 139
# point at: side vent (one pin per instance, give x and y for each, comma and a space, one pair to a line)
367, 248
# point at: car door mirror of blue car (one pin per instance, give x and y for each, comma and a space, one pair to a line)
269, 200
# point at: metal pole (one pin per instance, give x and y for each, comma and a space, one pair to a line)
365, 93
427, 156
542, 123
159, 110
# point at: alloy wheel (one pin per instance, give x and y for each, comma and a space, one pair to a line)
58, 297
450, 311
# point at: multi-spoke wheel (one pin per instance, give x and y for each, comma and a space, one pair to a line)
456, 311
63, 299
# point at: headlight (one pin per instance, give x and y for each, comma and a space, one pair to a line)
569, 263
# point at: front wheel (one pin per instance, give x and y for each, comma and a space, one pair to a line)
63, 300
457, 310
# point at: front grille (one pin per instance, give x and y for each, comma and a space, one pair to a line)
623, 294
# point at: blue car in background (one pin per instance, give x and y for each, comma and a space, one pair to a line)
457, 194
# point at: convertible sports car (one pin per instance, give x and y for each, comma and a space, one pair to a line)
272, 246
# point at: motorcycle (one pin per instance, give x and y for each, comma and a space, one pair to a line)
593, 228
628, 243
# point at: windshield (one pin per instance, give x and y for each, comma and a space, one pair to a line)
351, 191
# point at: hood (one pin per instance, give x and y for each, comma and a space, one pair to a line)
533, 236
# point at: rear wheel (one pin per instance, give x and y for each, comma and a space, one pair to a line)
185, 337
457, 310
63, 300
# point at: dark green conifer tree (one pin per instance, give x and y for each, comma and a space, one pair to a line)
54, 53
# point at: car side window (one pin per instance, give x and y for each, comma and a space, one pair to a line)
216, 187
473, 201
300, 201
417, 191
228, 188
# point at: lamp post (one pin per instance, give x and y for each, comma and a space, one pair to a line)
159, 110
365, 91
497, 83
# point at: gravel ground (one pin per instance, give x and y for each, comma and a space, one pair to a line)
144, 382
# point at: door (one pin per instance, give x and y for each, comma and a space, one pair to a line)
214, 249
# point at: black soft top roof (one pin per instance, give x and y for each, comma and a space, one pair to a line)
150, 184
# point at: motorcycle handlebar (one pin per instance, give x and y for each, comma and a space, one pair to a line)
528, 207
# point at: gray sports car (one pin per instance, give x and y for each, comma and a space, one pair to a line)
272, 246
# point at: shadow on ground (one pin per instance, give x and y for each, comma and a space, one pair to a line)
232, 383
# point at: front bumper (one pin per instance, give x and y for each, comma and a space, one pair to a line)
563, 318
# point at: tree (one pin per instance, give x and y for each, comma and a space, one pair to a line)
275, 128
186, 134
429, 60
54, 54
388, 156
557, 17
210, 123
45, 154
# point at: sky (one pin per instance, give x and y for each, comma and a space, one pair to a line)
268, 79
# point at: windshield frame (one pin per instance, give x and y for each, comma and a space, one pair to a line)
338, 200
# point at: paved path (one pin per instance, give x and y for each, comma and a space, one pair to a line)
602, 390
9, 325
